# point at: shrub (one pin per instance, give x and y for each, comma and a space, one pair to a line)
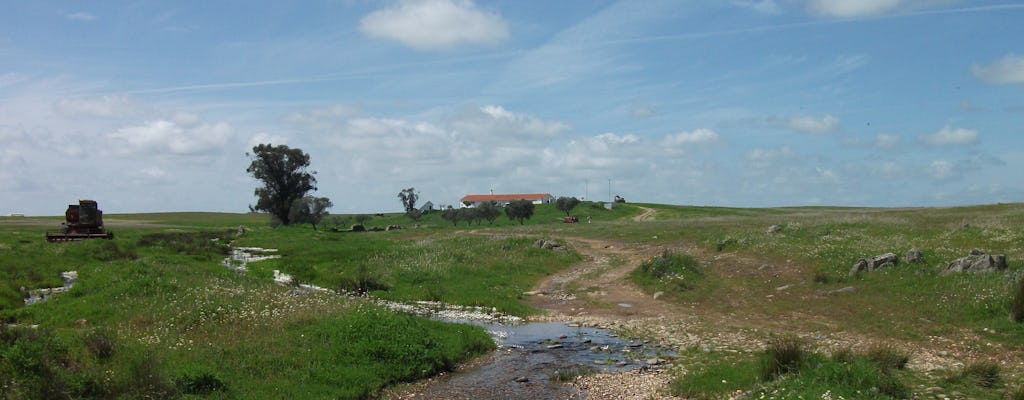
984, 373
1017, 393
783, 355
669, 263
1017, 301
110, 251
198, 381
887, 357
568, 374
99, 344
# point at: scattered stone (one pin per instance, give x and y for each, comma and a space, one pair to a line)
774, 229
555, 346
654, 361
913, 256
848, 289
532, 293
784, 287
522, 379
658, 294
886, 260
621, 364
563, 336
978, 261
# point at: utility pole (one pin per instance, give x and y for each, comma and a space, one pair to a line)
610, 203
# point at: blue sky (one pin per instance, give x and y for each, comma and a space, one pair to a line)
152, 106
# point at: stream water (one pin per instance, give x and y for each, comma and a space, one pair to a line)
531, 357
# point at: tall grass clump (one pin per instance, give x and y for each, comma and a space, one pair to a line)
1016, 393
784, 354
1017, 300
887, 357
984, 374
669, 271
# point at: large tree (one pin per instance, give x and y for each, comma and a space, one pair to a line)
519, 210
409, 197
310, 209
566, 204
488, 210
285, 176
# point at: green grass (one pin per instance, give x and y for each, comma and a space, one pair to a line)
678, 276
154, 314
473, 270
787, 371
818, 245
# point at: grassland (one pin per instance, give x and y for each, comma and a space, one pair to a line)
154, 314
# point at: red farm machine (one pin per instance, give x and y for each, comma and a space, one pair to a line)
81, 221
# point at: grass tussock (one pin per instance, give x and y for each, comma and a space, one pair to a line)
670, 272
983, 374
788, 369
1017, 300
783, 355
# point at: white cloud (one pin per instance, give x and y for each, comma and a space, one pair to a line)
950, 136
761, 156
494, 120
614, 139
761, 6
1006, 70
110, 106
852, 8
436, 24
180, 135
942, 170
81, 16
697, 136
887, 141
808, 124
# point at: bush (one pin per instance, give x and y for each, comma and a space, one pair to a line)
887, 357
668, 264
783, 355
198, 381
1017, 393
983, 373
1017, 301
99, 344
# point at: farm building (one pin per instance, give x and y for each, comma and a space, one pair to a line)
473, 200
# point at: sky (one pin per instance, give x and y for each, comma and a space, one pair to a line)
149, 106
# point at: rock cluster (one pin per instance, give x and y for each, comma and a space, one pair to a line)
913, 256
550, 245
978, 261
774, 228
877, 262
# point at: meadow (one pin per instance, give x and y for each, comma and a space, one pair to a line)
155, 314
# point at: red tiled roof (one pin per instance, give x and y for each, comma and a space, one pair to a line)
504, 197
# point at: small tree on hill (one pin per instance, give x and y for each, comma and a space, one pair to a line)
488, 210
566, 204
520, 210
451, 214
285, 178
409, 197
309, 209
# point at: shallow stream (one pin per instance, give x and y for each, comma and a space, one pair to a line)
531, 359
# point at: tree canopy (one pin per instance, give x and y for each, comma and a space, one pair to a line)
310, 209
285, 176
566, 204
519, 210
488, 210
409, 197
